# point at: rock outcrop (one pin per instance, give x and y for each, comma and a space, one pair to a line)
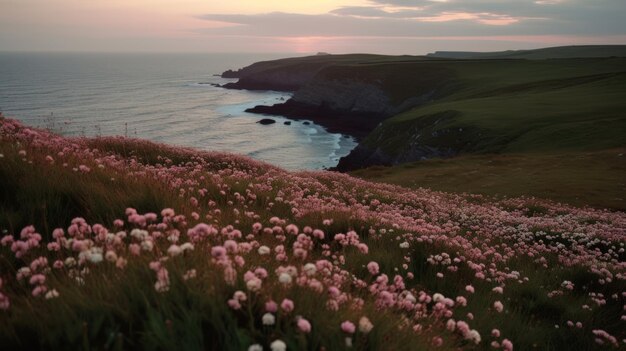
351, 98
266, 121
364, 156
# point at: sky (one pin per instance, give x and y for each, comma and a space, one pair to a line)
303, 26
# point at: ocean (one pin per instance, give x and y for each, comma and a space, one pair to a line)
165, 98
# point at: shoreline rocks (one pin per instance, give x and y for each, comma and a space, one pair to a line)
266, 121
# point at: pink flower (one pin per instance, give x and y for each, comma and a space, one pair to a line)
134, 249
58, 233
498, 306
39, 289
167, 212
234, 304
230, 275
363, 248
37, 279
437, 341
304, 325
4, 302
292, 229
218, 251
373, 268
451, 325
7, 240
287, 305
271, 306
461, 300
318, 234
507, 345
348, 327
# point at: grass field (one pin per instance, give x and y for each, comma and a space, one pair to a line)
546, 128
517, 106
595, 178
114, 244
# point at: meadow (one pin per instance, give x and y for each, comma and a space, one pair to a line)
113, 243
512, 106
589, 178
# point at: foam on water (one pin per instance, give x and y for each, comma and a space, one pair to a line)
165, 98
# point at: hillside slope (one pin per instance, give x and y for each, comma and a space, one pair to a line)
434, 107
590, 178
508, 106
559, 52
114, 243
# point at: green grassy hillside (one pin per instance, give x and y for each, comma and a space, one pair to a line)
577, 51
595, 178
529, 113
515, 106
122, 244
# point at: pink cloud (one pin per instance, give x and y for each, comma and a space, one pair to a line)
484, 18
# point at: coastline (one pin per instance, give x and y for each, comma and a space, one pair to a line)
355, 125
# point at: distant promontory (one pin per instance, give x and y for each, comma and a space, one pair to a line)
406, 108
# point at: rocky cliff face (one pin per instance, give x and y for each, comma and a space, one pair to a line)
385, 146
345, 96
350, 99
364, 156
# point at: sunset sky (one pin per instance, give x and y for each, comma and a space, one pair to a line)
300, 26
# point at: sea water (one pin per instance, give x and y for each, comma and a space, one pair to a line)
166, 98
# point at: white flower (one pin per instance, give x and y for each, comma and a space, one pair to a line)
190, 274
365, 326
52, 294
438, 297
95, 256
255, 347
284, 278
474, 336
254, 284
404, 245
25, 272
268, 319
174, 250
139, 234
409, 297
348, 341
161, 286
309, 269
70, 262
187, 247
278, 345
264, 250
147, 245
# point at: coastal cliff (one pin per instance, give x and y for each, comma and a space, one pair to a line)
288, 74
349, 94
409, 108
